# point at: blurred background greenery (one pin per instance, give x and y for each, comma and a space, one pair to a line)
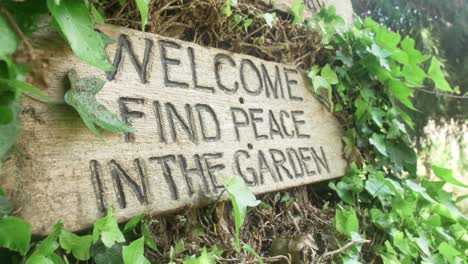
441, 125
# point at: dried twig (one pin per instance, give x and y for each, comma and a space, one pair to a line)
341, 249
18, 31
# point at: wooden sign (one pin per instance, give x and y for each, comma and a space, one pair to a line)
201, 115
344, 8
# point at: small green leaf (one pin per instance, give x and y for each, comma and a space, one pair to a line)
297, 9
143, 8
15, 234
79, 246
329, 74
133, 254
82, 96
346, 222
241, 198
447, 176
149, 240
76, 24
130, 225
108, 229
437, 76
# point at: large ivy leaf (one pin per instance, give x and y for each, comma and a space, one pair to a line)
143, 8
346, 222
108, 229
133, 254
378, 141
76, 23
437, 76
447, 176
15, 234
241, 197
78, 246
82, 96
377, 187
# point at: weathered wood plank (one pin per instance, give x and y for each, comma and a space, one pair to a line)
200, 115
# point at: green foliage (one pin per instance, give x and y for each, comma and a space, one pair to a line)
15, 234
297, 9
44, 251
78, 246
346, 222
241, 198
377, 72
143, 8
76, 24
107, 229
206, 257
447, 176
133, 254
82, 96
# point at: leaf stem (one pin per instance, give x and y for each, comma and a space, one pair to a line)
18, 31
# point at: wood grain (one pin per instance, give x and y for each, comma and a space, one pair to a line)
66, 173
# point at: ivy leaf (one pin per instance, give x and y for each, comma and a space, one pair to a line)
377, 187
437, 76
380, 219
79, 246
149, 240
76, 23
241, 197
5, 206
108, 230
448, 251
346, 222
133, 254
130, 225
82, 96
44, 252
414, 56
15, 234
329, 74
143, 8
413, 74
297, 9
378, 141
447, 176
381, 54
402, 93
